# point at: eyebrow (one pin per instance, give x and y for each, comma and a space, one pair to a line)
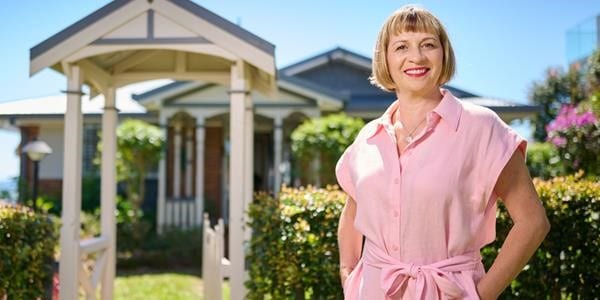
404, 41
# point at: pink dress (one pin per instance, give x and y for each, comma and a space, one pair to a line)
427, 213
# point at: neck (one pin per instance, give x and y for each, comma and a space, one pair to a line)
415, 102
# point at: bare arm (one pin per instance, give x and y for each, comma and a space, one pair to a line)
349, 239
531, 225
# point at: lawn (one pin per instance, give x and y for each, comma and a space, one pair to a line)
168, 285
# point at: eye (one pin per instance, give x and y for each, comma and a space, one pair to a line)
401, 47
429, 45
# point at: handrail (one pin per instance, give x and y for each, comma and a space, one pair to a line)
93, 245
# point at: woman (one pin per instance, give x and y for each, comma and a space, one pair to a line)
423, 179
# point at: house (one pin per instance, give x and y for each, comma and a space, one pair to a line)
334, 81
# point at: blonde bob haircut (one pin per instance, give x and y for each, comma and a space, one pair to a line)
409, 18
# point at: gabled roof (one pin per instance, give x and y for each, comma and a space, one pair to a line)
117, 19
116, 4
327, 99
318, 60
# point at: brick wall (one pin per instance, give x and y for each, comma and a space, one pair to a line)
213, 153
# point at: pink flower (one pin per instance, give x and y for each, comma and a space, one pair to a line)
558, 141
568, 117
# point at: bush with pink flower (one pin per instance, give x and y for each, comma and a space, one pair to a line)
576, 134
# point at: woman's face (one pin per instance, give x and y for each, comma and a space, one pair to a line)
415, 61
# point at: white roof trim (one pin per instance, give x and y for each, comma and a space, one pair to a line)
337, 54
325, 102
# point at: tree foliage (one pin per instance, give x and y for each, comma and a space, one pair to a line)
325, 138
139, 148
559, 88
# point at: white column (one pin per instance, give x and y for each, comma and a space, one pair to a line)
177, 162
185, 210
189, 160
71, 188
108, 193
162, 178
248, 167
239, 100
278, 152
200, 137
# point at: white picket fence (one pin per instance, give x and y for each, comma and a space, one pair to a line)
215, 267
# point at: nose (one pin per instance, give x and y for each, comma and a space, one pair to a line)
415, 55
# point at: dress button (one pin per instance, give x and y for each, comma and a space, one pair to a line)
396, 180
396, 214
395, 248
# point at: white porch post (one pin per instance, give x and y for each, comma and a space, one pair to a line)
109, 188
239, 100
248, 168
162, 177
175, 211
189, 159
200, 137
71, 188
177, 162
278, 141
185, 208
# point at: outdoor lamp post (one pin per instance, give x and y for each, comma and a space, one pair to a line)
36, 150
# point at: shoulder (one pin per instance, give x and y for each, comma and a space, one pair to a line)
477, 113
365, 132
480, 118
368, 130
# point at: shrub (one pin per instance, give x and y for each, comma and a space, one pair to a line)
293, 251
543, 161
576, 135
324, 138
27, 243
566, 264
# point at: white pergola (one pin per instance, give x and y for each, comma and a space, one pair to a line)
129, 41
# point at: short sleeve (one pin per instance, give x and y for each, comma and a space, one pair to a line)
343, 173
498, 147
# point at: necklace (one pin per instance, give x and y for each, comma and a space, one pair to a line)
409, 138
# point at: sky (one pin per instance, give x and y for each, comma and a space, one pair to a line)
501, 47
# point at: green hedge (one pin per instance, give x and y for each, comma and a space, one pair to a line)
27, 244
567, 265
293, 251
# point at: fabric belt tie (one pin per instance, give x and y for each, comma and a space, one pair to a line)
395, 274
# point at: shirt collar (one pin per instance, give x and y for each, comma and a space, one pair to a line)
449, 109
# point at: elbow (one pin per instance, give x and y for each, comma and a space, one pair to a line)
542, 226
537, 225
545, 227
